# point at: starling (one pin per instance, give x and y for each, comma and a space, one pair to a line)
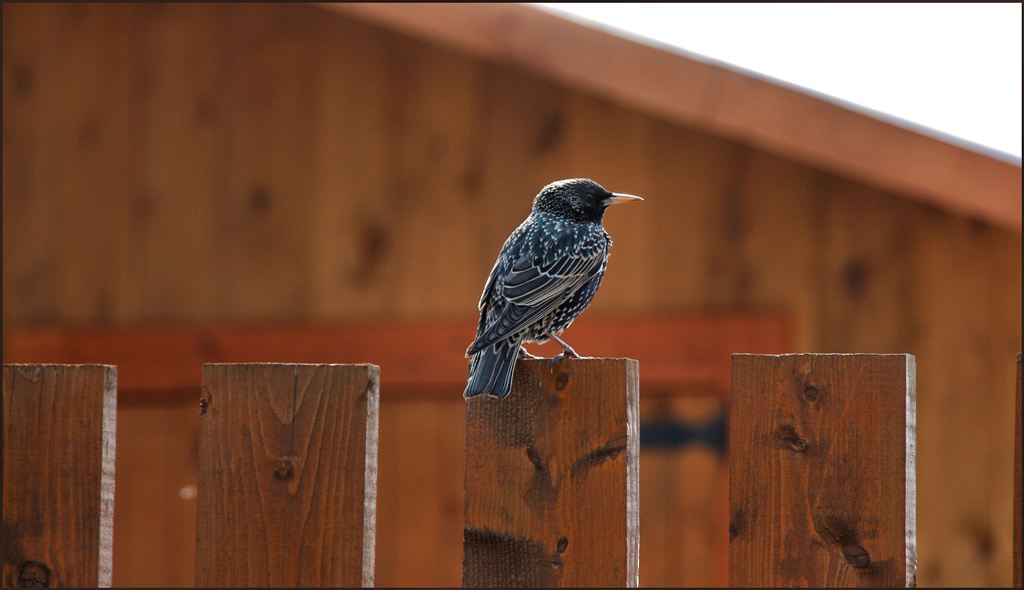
545, 276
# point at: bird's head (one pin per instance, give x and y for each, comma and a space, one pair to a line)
578, 200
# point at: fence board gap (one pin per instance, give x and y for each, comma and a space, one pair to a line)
552, 478
822, 474
57, 482
287, 475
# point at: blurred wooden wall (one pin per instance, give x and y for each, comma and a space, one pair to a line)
235, 162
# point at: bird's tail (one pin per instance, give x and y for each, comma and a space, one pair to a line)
491, 370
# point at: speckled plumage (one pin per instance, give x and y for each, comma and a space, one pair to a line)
546, 274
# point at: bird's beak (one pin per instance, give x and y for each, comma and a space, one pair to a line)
620, 198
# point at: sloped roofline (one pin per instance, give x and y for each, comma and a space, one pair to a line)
724, 101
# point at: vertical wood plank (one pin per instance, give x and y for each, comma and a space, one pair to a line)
822, 477
700, 481
67, 148
287, 475
352, 268
33, 78
155, 530
420, 481
262, 217
552, 477
437, 175
180, 155
964, 532
1017, 508
57, 483
684, 493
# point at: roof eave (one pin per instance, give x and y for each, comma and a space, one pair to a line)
720, 100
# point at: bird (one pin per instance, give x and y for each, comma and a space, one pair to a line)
546, 274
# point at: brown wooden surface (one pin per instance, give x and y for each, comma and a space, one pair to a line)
690, 351
684, 499
552, 473
722, 100
683, 493
420, 492
1018, 551
421, 466
134, 100
822, 477
57, 480
287, 475
155, 528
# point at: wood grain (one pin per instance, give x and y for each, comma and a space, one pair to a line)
268, 76
419, 454
1018, 551
178, 75
719, 100
552, 475
822, 477
726, 225
287, 475
964, 526
57, 480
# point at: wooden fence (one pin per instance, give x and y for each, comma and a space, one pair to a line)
822, 486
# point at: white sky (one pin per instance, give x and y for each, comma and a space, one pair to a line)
954, 68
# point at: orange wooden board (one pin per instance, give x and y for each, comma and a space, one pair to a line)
684, 352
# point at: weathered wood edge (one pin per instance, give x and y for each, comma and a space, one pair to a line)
105, 571
370, 474
632, 473
910, 461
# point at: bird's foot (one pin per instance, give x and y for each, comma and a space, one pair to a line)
564, 355
567, 351
525, 354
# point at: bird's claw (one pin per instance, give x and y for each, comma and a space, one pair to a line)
564, 355
525, 354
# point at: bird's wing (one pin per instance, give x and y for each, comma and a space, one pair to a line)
486, 294
539, 281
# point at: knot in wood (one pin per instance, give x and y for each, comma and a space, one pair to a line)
260, 200
812, 393
856, 556
33, 574
284, 470
563, 544
561, 381
535, 458
789, 438
203, 404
